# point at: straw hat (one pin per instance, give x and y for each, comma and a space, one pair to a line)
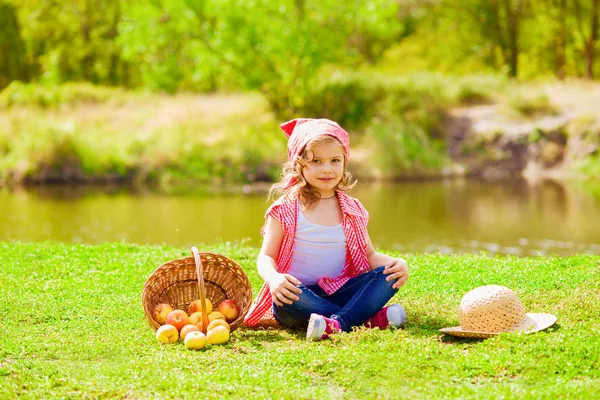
489, 310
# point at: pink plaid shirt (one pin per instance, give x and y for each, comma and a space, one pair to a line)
354, 222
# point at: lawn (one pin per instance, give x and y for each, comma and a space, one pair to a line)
72, 326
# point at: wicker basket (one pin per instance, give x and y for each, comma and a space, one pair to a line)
179, 282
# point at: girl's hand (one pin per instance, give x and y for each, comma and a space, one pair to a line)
397, 269
283, 289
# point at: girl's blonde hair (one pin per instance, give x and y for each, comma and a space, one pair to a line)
308, 196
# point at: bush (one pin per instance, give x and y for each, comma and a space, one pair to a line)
355, 99
527, 104
350, 102
400, 148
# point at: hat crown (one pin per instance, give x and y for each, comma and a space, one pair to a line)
490, 308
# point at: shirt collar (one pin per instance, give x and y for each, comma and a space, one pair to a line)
348, 205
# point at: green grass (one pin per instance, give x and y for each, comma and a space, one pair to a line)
72, 326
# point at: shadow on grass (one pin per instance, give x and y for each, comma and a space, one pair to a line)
449, 339
269, 334
426, 327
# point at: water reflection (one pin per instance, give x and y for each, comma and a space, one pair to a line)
451, 217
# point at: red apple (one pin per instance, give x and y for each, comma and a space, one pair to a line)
229, 310
178, 318
160, 312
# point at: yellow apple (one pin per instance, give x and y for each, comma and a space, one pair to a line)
229, 310
216, 323
167, 334
218, 335
196, 319
196, 306
187, 329
160, 312
178, 318
195, 340
215, 315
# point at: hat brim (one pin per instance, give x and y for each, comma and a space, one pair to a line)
533, 322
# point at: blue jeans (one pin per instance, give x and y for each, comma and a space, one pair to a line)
351, 305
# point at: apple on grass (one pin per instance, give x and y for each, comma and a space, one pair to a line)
196, 306
195, 340
160, 312
178, 318
167, 334
218, 322
229, 309
187, 329
218, 335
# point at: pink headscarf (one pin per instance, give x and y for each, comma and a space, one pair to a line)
300, 131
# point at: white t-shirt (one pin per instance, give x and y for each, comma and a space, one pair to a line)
319, 251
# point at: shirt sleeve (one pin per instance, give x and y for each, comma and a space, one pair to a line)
273, 211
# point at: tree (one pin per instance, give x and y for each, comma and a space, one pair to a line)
587, 29
500, 21
12, 50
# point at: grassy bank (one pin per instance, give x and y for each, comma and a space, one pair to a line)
72, 326
401, 127
78, 132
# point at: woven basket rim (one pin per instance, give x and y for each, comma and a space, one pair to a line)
242, 295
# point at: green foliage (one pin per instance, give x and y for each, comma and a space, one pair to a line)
402, 148
88, 297
589, 166
351, 102
74, 41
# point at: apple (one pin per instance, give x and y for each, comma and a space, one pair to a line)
196, 319
218, 335
160, 312
178, 318
195, 340
196, 306
215, 315
216, 323
167, 334
187, 329
229, 310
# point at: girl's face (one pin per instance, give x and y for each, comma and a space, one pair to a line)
325, 169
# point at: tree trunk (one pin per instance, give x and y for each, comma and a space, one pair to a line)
115, 57
561, 41
87, 62
12, 65
513, 15
590, 46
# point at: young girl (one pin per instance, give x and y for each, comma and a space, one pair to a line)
317, 260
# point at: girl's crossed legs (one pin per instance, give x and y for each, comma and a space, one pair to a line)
351, 305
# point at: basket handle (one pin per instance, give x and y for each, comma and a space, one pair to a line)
201, 291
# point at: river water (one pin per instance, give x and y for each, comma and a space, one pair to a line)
512, 217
